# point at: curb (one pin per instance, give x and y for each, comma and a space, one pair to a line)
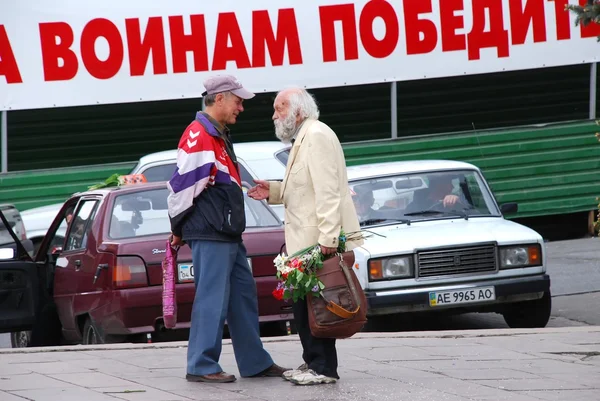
294, 338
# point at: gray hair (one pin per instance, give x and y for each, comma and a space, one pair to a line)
302, 102
209, 100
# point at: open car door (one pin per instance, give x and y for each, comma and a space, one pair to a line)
19, 284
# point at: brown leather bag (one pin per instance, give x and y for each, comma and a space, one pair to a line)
342, 310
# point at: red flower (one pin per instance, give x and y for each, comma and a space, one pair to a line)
296, 264
278, 294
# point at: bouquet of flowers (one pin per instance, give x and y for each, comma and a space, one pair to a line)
297, 273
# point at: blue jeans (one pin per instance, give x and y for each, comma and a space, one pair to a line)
225, 289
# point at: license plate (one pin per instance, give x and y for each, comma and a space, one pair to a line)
185, 273
467, 296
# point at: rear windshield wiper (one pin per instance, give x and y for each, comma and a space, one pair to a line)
428, 212
375, 221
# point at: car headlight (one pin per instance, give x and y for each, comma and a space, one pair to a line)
391, 268
513, 257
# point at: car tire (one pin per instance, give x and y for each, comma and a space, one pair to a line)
20, 339
529, 314
91, 334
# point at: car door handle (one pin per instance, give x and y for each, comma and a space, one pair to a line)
77, 264
101, 266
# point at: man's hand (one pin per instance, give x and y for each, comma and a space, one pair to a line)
450, 200
260, 191
176, 241
325, 250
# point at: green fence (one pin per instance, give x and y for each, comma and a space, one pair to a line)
548, 170
29, 189
551, 169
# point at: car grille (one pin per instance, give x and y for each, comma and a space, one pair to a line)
446, 262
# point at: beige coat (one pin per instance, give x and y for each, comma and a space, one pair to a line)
315, 191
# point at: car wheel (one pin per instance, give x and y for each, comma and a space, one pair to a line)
91, 335
20, 339
529, 314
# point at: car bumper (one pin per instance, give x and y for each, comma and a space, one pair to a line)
139, 310
417, 299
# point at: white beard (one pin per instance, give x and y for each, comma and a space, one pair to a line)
284, 130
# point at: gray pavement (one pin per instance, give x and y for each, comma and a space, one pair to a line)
498, 364
574, 266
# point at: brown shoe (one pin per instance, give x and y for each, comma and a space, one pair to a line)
220, 377
272, 371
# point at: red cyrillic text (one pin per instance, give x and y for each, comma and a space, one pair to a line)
8, 62
421, 34
344, 13
139, 47
591, 30
264, 37
496, 37
229, 30
522, 18
384, 10
58, 60
97, 28
563, 22
195, 42
450, 22
61, 61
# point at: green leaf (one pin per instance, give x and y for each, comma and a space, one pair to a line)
321, 285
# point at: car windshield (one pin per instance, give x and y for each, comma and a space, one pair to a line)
146, 213
422, 196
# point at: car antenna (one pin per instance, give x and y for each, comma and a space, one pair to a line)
477, 137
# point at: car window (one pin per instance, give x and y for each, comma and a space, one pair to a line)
13, 216
245, 175
427, 195
164, 172
80, 225
57, 237
283, 156
146, 213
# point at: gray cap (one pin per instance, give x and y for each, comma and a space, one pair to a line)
226, 83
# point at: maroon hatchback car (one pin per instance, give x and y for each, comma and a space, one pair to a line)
103, 281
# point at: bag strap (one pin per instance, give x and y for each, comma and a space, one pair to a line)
337, 309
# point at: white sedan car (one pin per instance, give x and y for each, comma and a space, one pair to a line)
257, 160
438, 242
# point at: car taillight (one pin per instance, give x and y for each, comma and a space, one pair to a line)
129, 272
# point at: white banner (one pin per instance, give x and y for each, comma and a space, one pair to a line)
73, 52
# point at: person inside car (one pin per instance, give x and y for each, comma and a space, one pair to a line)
437, 196
363, 199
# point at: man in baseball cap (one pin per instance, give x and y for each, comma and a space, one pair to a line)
223, 99
206, 209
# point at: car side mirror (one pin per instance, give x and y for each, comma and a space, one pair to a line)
56, 250
511, 207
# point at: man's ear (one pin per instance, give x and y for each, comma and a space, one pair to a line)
220, 97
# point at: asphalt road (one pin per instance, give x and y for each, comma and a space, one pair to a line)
574, 268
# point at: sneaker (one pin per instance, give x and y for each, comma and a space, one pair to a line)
289, 373
311, 377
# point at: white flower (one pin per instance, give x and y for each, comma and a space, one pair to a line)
280, 261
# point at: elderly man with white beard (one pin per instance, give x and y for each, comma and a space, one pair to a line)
318, 205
